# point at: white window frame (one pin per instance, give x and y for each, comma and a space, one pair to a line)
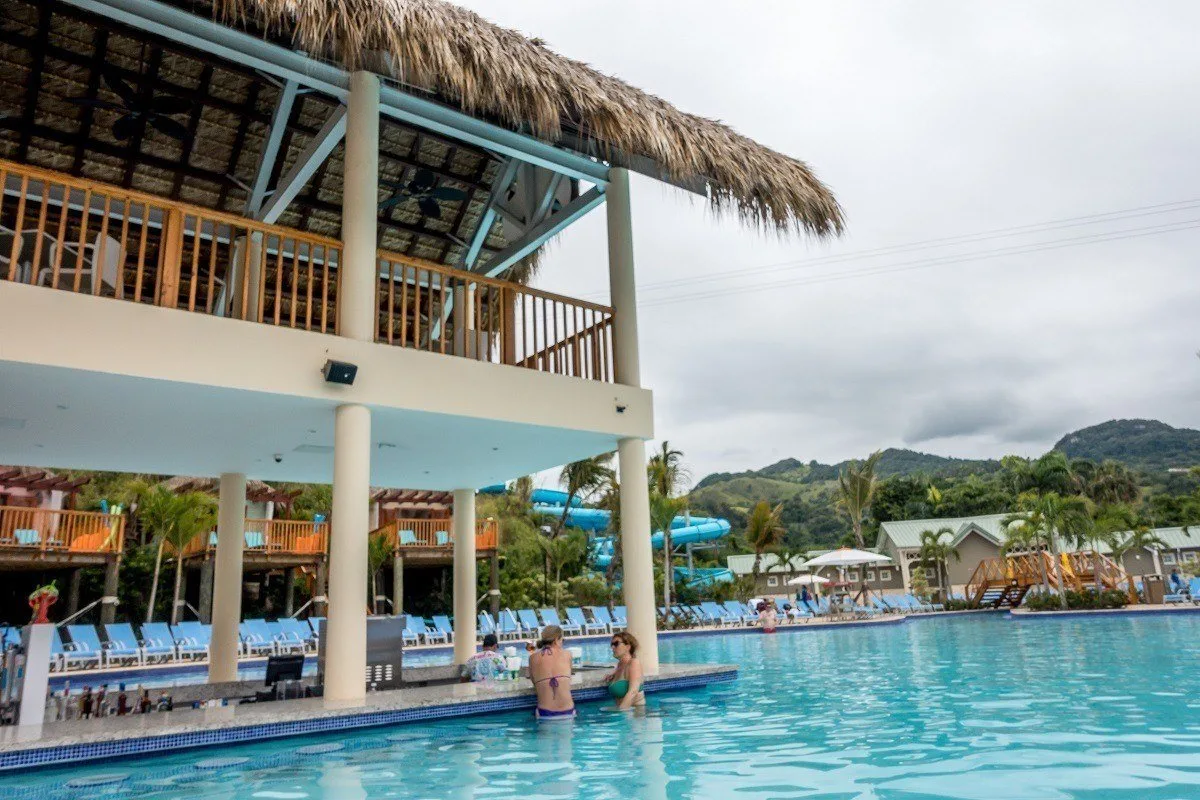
870, 576
885, 574
931, 574
772, 580
1168, 559
1189, 557
852, 576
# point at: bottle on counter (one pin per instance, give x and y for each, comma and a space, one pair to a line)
122, 702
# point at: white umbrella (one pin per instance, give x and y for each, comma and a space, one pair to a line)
845, 557
807, 580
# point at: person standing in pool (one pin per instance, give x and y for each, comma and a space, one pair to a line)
550, 672
625, 682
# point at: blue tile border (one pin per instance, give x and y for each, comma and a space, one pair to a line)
35, 757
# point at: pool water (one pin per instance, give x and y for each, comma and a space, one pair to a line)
973, 708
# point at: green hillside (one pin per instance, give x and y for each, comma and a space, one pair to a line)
1144, 444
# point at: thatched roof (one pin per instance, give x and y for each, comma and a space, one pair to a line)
38, 480
489, 70
256, 491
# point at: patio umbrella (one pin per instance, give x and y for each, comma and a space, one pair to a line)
807, 580
846, 557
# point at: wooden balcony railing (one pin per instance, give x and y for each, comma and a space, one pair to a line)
429, 307
282, 537
44, 530
84, 236
403, 533
87, 237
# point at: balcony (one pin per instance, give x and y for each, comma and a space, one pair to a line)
82, 236
271, 543
36, 538
431, 541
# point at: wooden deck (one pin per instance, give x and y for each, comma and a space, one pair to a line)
1003, 582
40, 538
271, 543
430, 542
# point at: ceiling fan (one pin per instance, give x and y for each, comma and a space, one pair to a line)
155, 110
424, 189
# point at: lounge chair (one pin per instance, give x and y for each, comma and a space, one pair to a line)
569, 628
620, 617
718, 614
442, 538
529, 621
408, 538
286, 640
158, 636
256, 642
192, 639
576, 616
315, 624
298, 631
411, 633
423, 629
67, 655
601, 615
86, 640
441, 624
487, 624
736, 609
510, 626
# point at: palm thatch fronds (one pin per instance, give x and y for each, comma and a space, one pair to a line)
491, 71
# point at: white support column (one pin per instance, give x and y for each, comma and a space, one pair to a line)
464, 574
638, 565
346, 628
360, 210
621, 283
636, 556
227, 579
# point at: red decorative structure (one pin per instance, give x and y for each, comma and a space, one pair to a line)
40, 601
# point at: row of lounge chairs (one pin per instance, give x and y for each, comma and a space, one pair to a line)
118, 645
520, 624
1190, 594
734, 613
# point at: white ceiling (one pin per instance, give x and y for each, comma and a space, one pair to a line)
54, 417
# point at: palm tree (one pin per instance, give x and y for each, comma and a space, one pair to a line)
666, 470
663, 510
856, 490
560, 552
1108, 527
175, 520
1049, 516
379, 552
1112, 482
610, 500
764, 531
581, 479
937, 552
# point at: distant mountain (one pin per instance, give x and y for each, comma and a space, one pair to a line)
1144, 444
894, 461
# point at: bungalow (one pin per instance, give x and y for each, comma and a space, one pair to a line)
973, 538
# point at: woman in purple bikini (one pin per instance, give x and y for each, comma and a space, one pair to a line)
550, 671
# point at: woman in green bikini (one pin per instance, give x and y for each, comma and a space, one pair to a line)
625, 682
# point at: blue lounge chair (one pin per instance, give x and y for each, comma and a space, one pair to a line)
408, 537
738, 610
601, 615
619, 616
917, 604
255, 540
442, 624
487, 624
192, 639
86, 640
510, 626
551, 617
285, 639
158, 636
67, 655
529, 621
298, 631
718, 614
256, 640
442, 538
427, 632
29, 537
576, 616
411, 633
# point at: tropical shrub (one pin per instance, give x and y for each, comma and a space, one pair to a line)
1086, 600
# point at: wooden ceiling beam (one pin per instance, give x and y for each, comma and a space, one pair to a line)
33, 85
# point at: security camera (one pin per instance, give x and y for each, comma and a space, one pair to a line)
279, 458
620, 408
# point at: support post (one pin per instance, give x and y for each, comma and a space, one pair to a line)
289, 591
464, 575
495, 582
635, 491
73, 592
206, 590
397, 583
320, 589
108, 603
227, 579
346, 648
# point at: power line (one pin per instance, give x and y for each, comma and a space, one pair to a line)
924, 244
1058, 244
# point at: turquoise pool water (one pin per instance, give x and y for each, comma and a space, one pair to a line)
967, 708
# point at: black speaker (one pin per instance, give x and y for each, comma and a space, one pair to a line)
339, 372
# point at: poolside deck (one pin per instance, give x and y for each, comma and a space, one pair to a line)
88, 740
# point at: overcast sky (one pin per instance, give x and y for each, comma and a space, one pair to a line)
928, 120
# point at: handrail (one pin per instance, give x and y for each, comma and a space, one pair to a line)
271, 536
48, 530
436, 533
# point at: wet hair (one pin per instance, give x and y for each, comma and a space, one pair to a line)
628, 638
490, 640
550, 635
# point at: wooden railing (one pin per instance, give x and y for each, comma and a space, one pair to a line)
429, 307
84, 236
272, 536
45, 530
403, 533
1037, 567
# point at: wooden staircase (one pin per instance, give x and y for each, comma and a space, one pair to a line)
1003, 582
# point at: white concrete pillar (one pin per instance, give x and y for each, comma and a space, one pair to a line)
637, 559
346, 628
464, 574
360, 210
227, 579
621, 283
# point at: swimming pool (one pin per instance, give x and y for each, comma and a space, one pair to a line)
970, 708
